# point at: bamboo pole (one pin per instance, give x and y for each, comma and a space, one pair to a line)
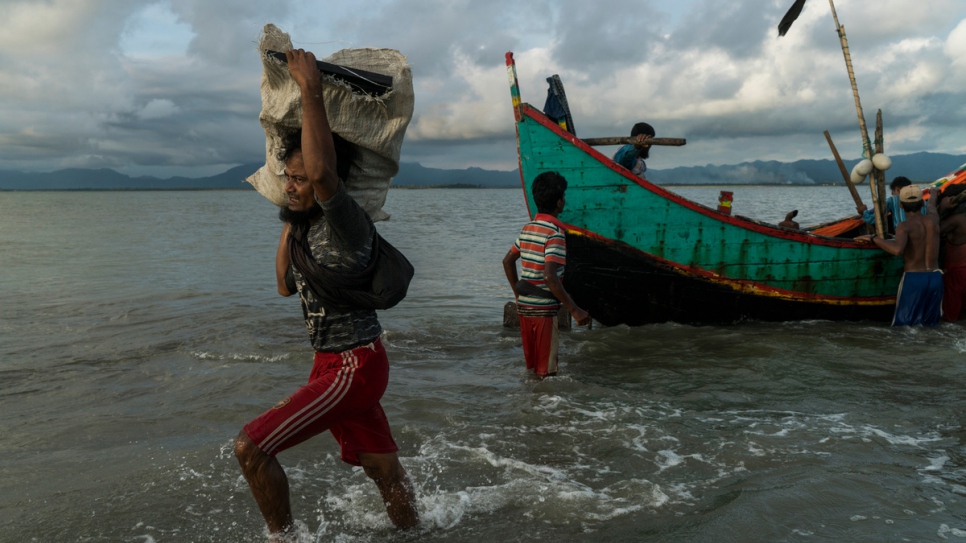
866, 144
878, 175
845, 172
624, 140
867, 147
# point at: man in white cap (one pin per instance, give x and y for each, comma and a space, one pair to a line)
920, 296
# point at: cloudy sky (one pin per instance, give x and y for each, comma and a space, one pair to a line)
171, 87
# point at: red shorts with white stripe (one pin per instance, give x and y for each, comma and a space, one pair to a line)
342, 396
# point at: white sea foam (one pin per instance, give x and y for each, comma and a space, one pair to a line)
549, 403
440, 509
204, 355
944, 529
936, 463
541, 491
667, 459
755, 450
901, 439
189, 473
496, 460
637, 443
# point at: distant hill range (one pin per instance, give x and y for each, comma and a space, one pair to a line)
105, 179
919, 167
410, 175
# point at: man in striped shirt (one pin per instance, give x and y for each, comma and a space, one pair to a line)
539, 292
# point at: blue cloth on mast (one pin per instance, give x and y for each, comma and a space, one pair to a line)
555, 110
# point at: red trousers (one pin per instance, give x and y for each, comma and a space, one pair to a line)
342, 396
540, 343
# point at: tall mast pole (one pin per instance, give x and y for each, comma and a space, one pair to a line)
866, 143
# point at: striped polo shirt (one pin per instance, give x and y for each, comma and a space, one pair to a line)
542, 240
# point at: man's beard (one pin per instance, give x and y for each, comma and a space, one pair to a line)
299, 218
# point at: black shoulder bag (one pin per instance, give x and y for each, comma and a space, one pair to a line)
381, 285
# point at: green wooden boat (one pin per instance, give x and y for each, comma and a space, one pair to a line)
638, 254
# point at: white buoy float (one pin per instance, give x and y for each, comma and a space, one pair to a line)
881, 162
860, 171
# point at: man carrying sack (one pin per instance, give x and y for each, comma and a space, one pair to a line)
324, 224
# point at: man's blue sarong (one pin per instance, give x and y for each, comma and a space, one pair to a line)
920, 299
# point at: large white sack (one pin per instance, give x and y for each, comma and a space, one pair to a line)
376, 126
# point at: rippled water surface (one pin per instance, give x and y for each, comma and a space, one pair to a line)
140, 330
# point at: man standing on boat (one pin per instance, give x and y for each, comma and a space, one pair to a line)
351, 370
539, 291
952, 228
920, 296
633, 155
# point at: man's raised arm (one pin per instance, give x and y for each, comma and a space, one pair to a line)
318, 148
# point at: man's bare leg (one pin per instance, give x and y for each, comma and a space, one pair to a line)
269, 485
395, 487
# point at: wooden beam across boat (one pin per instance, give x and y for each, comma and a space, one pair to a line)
625, 140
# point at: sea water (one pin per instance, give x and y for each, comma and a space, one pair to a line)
140, 330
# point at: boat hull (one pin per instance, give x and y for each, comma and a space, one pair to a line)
619, 285
638, 253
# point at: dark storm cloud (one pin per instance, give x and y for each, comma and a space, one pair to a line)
942, 110
737, 27
226, 30
431, 32
595, 37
